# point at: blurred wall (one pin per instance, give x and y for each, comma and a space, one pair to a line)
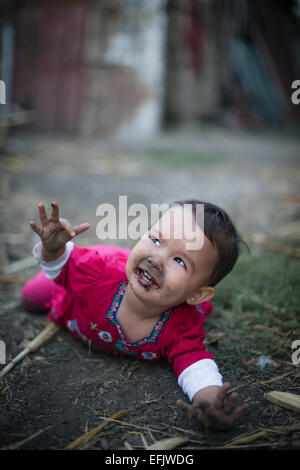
232, 61
91, 67
129, 67
124, 55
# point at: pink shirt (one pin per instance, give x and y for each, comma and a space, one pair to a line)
90, 289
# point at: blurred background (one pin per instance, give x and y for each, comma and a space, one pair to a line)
125, 67
155, 100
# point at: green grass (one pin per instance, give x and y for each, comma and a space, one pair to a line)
183, 158
257, 306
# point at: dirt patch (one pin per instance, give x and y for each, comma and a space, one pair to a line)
65, 390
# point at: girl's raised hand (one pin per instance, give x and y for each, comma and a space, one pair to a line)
54, 231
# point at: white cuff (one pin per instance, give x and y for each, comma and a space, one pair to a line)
52, 268
203, 373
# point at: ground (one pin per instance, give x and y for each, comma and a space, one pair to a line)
64, 390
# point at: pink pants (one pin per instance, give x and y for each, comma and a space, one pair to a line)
36, 294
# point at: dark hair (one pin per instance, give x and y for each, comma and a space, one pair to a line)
220, 230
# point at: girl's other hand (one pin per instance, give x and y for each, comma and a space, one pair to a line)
221, 414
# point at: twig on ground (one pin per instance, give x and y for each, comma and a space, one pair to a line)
44, 337
272, 330
123, 423
144, 441
24, 441
273, 379
89, 435
233, 389
128, 445
247, 437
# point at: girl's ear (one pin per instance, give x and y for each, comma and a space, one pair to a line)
201, 295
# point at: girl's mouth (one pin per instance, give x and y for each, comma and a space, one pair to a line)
146, 279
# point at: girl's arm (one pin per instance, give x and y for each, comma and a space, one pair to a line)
211, 408
55, 266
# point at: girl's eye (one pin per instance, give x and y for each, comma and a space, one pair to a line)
156, 241
181, 262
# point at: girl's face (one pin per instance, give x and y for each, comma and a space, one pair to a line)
161, 270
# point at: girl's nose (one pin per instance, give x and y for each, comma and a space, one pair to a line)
156, 262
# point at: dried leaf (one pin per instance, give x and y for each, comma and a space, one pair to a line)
284, 399
246, 438
166, 444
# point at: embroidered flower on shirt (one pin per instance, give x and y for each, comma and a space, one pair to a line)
105, 336
149, 355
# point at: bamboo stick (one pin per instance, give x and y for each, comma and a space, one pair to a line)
284, 399
88, 435
46, 335
24, 441
167, 444
246, 438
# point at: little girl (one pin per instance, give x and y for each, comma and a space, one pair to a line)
149, 302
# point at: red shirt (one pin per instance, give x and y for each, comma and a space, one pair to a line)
90, 289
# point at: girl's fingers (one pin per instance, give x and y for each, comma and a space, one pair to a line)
67, 227
240, 411
231, 403
36, 228
221, 395
185, 407
81, 228
43, 214
72, 231
189, 409
54, 219
196, 410
55, 212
